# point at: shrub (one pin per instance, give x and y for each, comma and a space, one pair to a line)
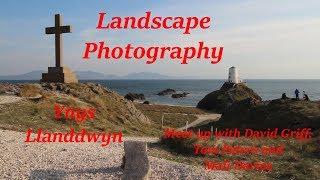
182, 146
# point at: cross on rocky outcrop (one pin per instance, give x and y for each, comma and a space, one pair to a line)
59, 73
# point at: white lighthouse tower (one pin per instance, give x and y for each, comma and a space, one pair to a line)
233, 76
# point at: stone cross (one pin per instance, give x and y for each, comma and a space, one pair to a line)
59, 73
57, 30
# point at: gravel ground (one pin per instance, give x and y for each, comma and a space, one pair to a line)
9, 99
19, 160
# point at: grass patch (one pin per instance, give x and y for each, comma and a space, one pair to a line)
181, 146
173, 116
301, 159
275, 114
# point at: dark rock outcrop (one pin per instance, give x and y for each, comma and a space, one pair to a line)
277, 113
166, 92
228, 94
134, 96
179, 95
146, 102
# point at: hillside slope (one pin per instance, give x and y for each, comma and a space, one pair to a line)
36, 110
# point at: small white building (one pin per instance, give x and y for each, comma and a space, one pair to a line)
233, 75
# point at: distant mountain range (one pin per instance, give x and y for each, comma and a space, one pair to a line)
91, 75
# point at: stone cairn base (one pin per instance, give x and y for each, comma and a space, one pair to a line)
59, 74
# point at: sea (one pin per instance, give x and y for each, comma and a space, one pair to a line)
267, 89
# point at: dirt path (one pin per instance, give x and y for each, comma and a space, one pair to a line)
202, 118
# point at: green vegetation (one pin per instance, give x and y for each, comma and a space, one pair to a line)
301, 159
275, 114
181, 146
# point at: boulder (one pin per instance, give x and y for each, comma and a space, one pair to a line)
166, 92
49, 86
180, 95
134, 96
96, 88
146, 102
60, 86
136, 163
228, 94
36, 98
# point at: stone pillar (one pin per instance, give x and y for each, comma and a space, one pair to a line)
136, 163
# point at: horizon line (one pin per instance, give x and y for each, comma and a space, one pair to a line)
153, 79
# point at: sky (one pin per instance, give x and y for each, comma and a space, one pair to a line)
264, 39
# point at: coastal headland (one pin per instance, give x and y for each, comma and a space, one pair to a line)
25, 106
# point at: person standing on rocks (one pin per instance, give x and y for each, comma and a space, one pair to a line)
297, 92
